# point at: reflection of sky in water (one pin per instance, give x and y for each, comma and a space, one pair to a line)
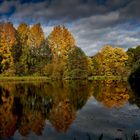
94, 119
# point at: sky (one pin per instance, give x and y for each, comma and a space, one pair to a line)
93, 23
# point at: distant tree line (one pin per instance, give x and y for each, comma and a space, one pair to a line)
26, 51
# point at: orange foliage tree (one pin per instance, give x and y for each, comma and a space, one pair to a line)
8, 39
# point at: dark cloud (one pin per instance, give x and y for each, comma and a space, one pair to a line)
61, 9
31, 1
93, 22
92, 40
131, 11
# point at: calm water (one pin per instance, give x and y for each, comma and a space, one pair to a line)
101, 110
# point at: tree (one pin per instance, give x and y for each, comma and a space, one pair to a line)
35, 36
35, 51
110, 61
77, 64
8, 39
61, 41
39, 52
23, 31
133, 58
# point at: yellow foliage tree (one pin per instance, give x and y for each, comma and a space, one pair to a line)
8, 39
36, 36
23, 31
61, 41
110, 61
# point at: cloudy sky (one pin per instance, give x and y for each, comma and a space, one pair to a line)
92, 22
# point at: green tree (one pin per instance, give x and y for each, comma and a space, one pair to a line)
133, 58
77, 67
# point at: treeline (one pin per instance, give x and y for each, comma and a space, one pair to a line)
26, 51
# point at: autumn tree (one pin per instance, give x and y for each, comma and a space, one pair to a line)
40, 53
61, 41
23, 31
35, 36
8, 39
110, 61
35, 51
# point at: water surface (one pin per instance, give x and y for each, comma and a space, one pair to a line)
74, 110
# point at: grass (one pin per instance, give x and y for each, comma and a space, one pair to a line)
24, 78
44, 78
107, 78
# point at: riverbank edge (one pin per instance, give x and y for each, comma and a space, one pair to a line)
44, 78
123, 78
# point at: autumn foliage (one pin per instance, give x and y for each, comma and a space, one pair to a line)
110, 61
26, 51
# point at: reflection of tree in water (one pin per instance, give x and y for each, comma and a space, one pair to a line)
35, 108
79, 92
62, 116
23, 107
33, 121
135, 99
134, 81
67, 98
111, 93
7, 119
26, 106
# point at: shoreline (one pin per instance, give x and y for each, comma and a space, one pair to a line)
44, 78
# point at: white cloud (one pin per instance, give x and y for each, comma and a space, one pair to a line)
47, 29
91, 39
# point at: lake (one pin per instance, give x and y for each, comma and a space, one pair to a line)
70, 110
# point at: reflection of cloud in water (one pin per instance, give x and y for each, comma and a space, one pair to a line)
97, 119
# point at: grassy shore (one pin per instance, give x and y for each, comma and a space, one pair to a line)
107, 78
44, 78
24, 78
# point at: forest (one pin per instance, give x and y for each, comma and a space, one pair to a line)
26, 51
